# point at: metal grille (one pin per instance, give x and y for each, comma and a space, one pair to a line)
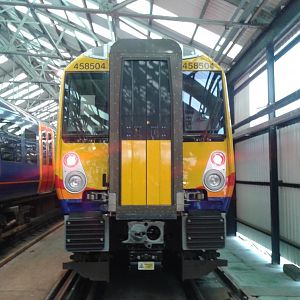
205, 231
85, 234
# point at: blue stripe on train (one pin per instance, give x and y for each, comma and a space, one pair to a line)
219, 204
69, 206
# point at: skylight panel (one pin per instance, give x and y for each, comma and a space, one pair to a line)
131, 31
4, 85
207, 37
3, 59
19, 102
19, 77
11, 91
25, 91
53, 109
184, 28
35, 108
102, 31
11, 27
138, 28
155, 36
27, 35
44, 19
22, 9
59, 13
85, 38
35, 94
46, 44
235, 50
43, 114
78, 3
140, 6
91, 4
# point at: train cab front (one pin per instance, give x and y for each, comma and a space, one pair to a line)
122, 173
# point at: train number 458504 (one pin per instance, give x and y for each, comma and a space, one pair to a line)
90, 66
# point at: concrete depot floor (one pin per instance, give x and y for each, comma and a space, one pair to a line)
32, 274
255, 275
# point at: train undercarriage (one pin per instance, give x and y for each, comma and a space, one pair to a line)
187, 244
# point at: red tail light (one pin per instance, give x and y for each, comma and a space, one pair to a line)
218, 158
71, 159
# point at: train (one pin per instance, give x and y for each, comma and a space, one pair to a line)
27, 159
144, 160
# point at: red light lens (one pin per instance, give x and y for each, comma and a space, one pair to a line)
71, 160
218, 158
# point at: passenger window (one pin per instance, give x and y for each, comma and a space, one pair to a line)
10, 149
50, 149
44, 147
30, 146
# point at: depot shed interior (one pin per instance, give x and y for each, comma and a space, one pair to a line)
255, 41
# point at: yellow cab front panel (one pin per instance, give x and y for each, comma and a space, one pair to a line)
76, 135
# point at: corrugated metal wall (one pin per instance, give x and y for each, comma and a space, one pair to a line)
289, 197
253, 191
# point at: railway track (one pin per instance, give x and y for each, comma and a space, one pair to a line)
10, 251
72, 286
216, 286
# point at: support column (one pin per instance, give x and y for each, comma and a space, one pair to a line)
231, 226
274, 200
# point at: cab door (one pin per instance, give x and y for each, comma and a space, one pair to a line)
145, 133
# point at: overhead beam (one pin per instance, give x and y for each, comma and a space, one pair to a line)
285, 21
132, 15
24, 53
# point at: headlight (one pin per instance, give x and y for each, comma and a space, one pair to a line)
75, 182
214, 180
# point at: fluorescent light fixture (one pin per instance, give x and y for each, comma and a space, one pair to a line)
3, 59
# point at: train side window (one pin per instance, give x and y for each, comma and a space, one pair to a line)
44, 147
50, 162
10, 149
30, 146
